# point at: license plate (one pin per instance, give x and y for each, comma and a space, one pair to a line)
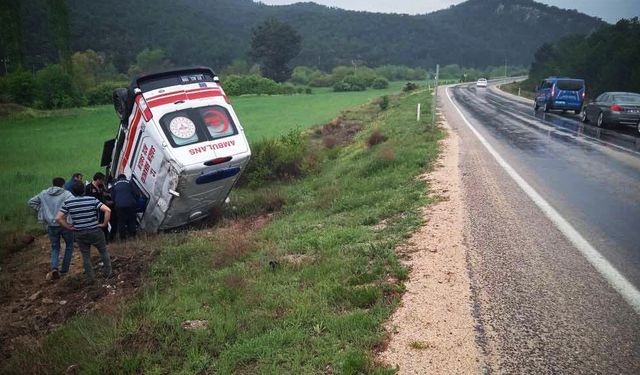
560, 102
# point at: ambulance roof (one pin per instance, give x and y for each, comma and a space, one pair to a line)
173, 77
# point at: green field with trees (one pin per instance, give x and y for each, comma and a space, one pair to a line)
36, 145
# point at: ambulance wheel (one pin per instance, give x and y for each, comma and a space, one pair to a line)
120, 103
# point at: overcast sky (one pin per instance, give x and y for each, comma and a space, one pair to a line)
609, 10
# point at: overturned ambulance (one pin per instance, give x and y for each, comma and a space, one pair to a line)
181, 144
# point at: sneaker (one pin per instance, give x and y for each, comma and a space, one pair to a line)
55, 274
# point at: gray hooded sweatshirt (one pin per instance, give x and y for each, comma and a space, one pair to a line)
48, 204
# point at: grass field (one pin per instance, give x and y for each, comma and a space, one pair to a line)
269, 116
37, 146
521, 88
318, 309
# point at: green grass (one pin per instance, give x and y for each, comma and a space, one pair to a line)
322, 314
37, 146
271, 116
519, 88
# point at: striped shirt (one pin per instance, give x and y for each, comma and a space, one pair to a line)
83, 211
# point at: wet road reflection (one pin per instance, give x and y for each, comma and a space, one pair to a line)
589, 174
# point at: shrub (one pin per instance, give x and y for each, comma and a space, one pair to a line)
375, 138
20, 87
341, 86
276, 159
319, 79
54, 88
308, 91
399, 73
302, 75
384, 103
102, 94
410, 86
350, 83
235, 85
380, 83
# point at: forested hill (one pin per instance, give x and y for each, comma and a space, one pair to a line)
214, 32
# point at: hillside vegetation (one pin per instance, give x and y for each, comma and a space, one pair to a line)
608, 59
476, 33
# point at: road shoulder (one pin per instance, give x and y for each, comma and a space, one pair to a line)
432, 331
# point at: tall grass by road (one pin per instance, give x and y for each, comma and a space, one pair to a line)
37, 146
306, 293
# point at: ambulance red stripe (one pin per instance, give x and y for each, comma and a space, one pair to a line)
131, 136
181, 92
188, 95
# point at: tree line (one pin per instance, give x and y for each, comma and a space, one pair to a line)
607, 59
216, 32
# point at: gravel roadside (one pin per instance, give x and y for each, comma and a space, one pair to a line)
432, 331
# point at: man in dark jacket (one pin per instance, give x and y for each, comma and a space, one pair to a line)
125, 200
48, 203
74, 177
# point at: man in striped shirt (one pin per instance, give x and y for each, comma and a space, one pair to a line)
88, 231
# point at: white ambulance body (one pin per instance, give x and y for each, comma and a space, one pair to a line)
181, 144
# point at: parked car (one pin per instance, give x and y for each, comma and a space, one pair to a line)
614, 108
482, 82
560, 93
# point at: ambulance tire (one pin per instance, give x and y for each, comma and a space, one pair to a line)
120, 97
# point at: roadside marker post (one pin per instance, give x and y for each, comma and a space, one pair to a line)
418, 113
435, 96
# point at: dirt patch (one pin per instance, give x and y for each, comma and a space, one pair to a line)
338, 132
32, 305
432, 331
7, 109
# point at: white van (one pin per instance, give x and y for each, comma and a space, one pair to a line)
181, 144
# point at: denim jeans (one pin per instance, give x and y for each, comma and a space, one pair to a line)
96, 238
54, 236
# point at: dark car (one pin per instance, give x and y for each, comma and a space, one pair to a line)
614, 108
560, 93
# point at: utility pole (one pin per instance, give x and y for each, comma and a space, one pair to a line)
435, 96
505, 68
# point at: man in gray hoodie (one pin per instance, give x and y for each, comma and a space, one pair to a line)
48, 204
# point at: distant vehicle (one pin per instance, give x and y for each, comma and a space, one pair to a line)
560, 93
181, 144
614, 108
482, 82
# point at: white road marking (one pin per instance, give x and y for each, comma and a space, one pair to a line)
608, 271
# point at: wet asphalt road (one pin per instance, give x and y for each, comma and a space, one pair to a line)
540, 306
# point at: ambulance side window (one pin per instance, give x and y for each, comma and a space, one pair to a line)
218, 122
195, 125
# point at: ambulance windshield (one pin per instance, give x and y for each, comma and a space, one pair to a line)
193, 125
